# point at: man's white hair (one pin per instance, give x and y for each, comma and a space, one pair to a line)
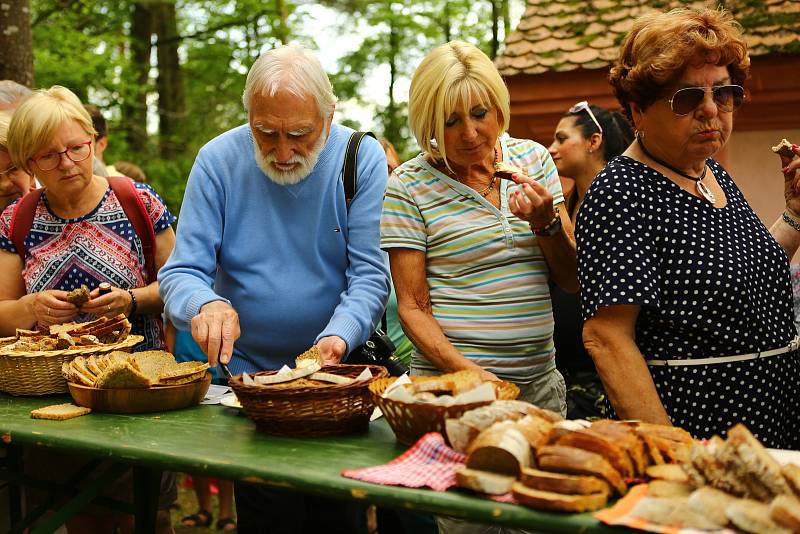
294, 69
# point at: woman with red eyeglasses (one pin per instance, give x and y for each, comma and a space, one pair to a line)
79, 235
586, 138
684, 291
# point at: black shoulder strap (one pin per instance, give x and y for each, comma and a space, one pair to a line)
349, 176
351, 164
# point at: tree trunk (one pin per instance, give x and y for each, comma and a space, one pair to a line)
392, 133
506, 19
171, 101
16, 42
134, 106
282, 31
495, 29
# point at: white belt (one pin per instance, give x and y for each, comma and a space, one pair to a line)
791, 347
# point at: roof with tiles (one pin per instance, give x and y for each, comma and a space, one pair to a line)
563, 35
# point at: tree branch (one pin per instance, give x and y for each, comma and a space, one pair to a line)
195, 35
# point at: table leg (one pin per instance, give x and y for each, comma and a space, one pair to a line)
146, 489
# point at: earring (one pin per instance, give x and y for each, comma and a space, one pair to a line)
591, 150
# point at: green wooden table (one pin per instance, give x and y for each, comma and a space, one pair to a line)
221, 442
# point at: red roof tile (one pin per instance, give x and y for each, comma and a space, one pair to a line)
563, 35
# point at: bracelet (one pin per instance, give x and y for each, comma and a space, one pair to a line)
788, 219
551, 228
134, 305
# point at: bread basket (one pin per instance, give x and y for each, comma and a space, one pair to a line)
411, 421
39, 372
310, 411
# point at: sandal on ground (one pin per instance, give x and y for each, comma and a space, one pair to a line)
225, 522
202, 518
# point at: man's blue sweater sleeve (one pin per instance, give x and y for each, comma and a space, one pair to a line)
186, 280
367, 292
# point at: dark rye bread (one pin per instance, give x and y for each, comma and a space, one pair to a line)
784, 148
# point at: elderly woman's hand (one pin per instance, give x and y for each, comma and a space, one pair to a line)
109, 304
51, 307
791, 181
531, 202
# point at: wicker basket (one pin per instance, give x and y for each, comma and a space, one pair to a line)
411, 421
310, 411
39, 372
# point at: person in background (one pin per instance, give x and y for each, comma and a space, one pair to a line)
275, 182
683, 288
131, 170
586, 138
101, 141
14, 182
12, 94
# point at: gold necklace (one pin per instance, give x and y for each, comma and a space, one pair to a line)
483, 192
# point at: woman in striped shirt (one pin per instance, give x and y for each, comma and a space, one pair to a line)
471, 254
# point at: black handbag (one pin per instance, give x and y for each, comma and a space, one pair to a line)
379, 348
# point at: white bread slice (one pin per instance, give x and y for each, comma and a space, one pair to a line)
60, 412
561, 483
672, 512
669, 488
547, 500
753, 516
462, 431
711, 502
785, 511
501, 448
294, 374
484, 481
330, 377
672, 472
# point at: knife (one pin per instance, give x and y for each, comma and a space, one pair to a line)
225, 370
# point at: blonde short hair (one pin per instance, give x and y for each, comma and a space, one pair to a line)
660, 46
37, 120
452, 73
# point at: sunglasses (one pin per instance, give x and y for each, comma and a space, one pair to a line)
580, 106
727, 98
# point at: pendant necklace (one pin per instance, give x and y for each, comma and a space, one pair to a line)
483, 192
704, 191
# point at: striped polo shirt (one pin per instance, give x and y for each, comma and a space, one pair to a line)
486, 274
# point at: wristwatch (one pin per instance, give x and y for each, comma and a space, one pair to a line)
551, 228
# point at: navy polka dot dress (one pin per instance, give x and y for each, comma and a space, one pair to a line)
710, 282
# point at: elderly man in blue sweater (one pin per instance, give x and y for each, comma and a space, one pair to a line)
268, 260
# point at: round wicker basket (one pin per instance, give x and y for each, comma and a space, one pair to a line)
39, 372
411, 421
310, 411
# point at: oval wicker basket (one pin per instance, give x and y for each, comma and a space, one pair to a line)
411, 421
39, 372
310, 411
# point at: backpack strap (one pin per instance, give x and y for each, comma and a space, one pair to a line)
351, 164
137, 214
22, 220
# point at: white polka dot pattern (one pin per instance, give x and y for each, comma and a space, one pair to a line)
710, 282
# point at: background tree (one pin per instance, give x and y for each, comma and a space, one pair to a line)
16, 42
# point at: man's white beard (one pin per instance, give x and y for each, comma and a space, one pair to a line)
297, 175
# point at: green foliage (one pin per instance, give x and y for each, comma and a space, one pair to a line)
87, 46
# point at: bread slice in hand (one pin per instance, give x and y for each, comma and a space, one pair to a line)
560, 502
561, 483
484, 481
60, 412
784, 148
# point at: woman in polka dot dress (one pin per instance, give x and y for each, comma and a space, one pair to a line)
80, 233
681, 284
